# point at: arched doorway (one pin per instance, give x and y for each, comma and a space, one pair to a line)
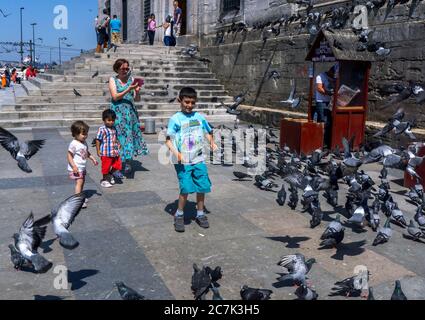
183, 6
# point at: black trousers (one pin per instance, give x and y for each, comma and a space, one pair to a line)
151, 35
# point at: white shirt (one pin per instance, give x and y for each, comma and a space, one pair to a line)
323, 79
80, 152
168, 31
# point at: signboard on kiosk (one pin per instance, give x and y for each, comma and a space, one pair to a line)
323, 53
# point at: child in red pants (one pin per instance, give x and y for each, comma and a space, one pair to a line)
107, 147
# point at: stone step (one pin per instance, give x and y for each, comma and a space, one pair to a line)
61, 123
173, 69
218, 95
90, 106
30, 88
101, 92
94, 114
65, 80
179, 74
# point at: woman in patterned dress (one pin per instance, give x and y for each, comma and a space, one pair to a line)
124, 93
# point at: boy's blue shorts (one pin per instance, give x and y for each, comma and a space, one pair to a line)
193, 178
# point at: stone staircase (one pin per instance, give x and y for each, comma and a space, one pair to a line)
49, 101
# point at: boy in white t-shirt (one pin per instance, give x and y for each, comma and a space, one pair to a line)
78, 153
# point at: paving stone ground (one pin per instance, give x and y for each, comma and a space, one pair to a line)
127, 234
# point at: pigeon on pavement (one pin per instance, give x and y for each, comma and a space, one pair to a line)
398, 294
29, 239
128, 293
255, 294
297, 267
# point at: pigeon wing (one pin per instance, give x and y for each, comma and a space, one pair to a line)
32, 147
9, 142
69, 208
32, 233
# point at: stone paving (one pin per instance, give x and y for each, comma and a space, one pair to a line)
127, 234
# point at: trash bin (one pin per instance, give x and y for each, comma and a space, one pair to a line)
150, 126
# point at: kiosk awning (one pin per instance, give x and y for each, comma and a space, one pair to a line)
325, 49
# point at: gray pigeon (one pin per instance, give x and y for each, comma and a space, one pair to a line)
373, 218
414, 231
419, 217
370, 295
254, 294
17, 259
63, 216
293, 101
347, 287
384, 233
358, 216
201, 282
398, 294
297, 267
398, 216
303, 292
29, 239
281, 196
333, 234
76, 93
128, 293
20, 151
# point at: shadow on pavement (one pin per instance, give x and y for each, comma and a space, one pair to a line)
75, 277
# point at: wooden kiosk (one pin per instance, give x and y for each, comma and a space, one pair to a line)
349, 102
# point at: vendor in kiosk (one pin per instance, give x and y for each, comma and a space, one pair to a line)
325, 84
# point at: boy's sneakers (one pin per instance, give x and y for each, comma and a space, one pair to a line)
203, 221
106, 184
118, 175
179, 223
85, 203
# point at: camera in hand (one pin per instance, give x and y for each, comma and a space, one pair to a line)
139, 81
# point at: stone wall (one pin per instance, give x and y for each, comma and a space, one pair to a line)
244, 60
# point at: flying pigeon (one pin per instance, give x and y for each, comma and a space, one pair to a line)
127, 293
4, 15
29, 239
292, 100
20, 151
297, 267
248, 293
95, 74
63, 216
398, 294
77, 93
275, 75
